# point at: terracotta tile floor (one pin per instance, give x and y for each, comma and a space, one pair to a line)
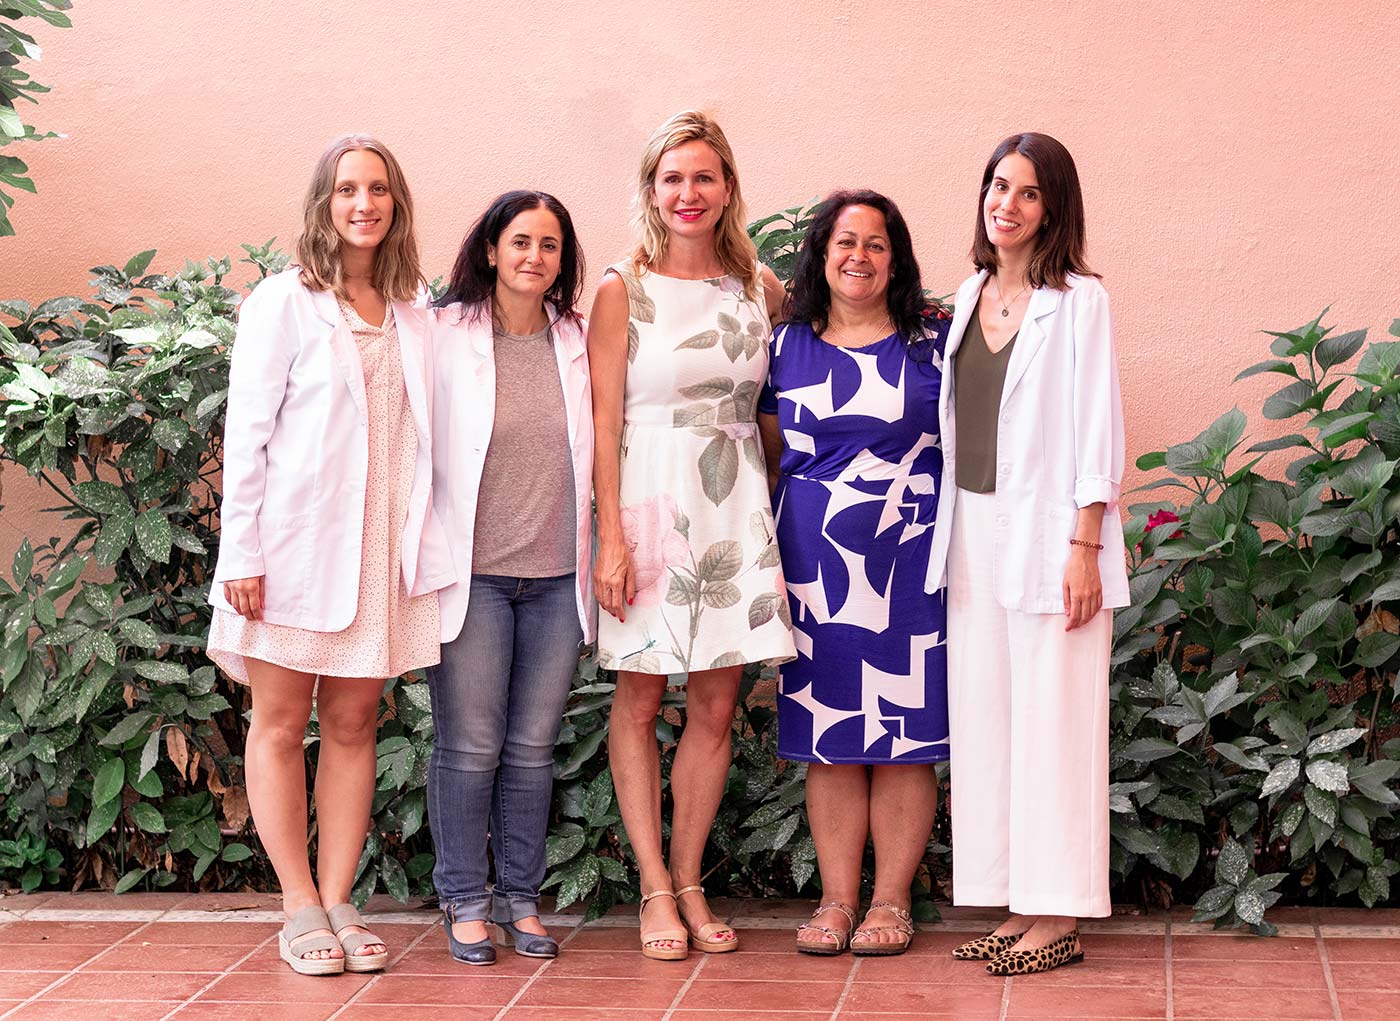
92, 957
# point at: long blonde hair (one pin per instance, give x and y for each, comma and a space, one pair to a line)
736, 252
397, 273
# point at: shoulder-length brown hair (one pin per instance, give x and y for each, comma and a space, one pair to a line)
733, 247
397, 273
1059, 250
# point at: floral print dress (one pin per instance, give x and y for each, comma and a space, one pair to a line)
694, 491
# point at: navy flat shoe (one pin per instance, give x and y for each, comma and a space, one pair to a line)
478, 953
527, 944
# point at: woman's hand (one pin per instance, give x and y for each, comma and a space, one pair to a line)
613, 581
1082, 589
245, 595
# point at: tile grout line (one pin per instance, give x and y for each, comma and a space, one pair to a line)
846, 989
215, 980
685, 988
1327, 974
73, 971
1167, 944
544, 965
376, 976
1005, 999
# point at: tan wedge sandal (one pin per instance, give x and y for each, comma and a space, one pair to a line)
904, 925
306, 932
650, 936
703, 939
842, 936
344, 916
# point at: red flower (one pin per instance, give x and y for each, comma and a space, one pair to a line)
1163, 517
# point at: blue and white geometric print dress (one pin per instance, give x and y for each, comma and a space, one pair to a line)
855, 509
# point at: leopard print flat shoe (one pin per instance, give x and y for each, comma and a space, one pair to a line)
1065, 950
985, 948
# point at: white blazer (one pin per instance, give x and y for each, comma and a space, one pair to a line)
296, 458
464, 414
1059, 446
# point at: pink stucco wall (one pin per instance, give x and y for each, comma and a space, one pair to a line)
1238, 160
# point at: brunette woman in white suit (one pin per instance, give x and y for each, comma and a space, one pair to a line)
326, 510
1031, 544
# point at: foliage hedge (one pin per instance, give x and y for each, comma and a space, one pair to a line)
1254, 677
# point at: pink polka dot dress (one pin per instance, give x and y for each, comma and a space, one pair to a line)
392, 632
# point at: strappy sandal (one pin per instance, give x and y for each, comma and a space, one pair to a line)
703, 939
650, 936
306, 932
344, 916
904, 926
822, 947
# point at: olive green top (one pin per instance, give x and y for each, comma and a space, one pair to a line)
978, 378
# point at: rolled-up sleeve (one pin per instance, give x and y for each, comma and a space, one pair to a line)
263, 350
1098, 406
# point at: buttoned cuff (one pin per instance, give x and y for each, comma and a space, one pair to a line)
1090, 489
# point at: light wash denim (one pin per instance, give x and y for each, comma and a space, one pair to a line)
498, 702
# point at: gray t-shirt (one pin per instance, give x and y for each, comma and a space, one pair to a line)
525, 509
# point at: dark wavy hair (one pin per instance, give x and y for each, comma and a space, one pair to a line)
809, 299
473, 280
1059, 250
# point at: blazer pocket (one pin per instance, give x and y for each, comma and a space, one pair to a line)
286, 546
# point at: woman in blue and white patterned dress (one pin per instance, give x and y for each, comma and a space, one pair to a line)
849, 421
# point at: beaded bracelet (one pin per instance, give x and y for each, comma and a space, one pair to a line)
1086, 543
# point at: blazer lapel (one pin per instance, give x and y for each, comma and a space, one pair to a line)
571, 353
964, 305
410, 318
1030, 338
342, 341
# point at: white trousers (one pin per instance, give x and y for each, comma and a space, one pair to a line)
1028, 729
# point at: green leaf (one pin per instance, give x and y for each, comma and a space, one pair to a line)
1149, 749
1152, 460
1269, 365
236, 852
139, 634
63, 577
1281, 777
23, 563
150, 753
170, 434
127, 728
1336, 350
147, 817
130, 879
1375, 649
103, 497
1322, 804
160, 671
137, 264
395, 882
1233, 864
115, 535
1335, 740
1330, 776
1312, 618
153, 535
100, 820
1289, 401
108, 781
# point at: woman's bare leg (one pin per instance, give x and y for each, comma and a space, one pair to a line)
838, 798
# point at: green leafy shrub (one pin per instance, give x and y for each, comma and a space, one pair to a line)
1256, 671
17, 45
1253, 698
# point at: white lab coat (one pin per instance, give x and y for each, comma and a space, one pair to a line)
464, 414
1059, 446
296, 458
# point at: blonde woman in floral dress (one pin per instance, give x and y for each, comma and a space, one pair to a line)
687, 567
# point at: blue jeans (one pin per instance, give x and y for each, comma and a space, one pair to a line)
498, 702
